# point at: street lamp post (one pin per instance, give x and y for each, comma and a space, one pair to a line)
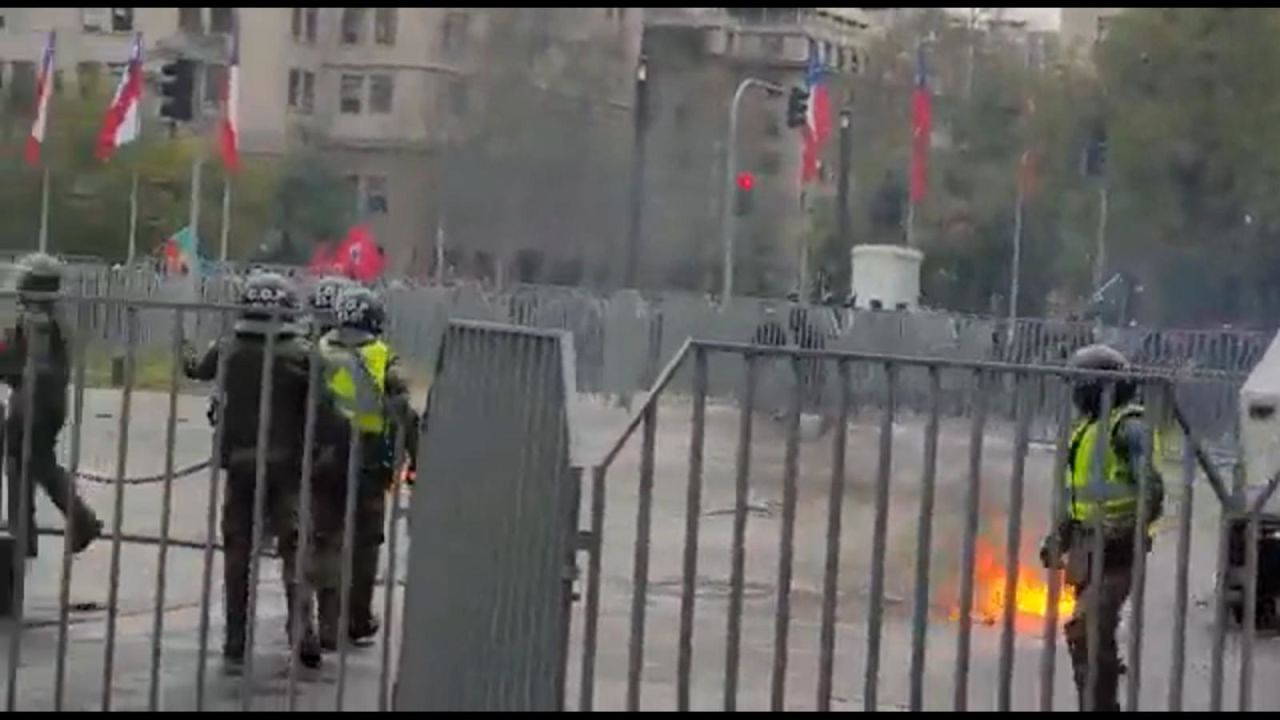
731, 172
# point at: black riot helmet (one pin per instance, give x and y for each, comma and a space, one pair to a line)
324, 295
1087, 393
359, 308
267, 290
39, 272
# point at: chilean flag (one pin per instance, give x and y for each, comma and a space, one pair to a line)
229, 130
44, 88
357, 257
817, 126
921, 128
123, 122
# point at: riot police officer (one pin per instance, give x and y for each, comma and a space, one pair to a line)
38, 334
367, 387
262, 293
1105, 502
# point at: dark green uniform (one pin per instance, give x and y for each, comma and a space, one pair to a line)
38, 334
238, 456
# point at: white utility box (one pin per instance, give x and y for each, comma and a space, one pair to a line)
886, 277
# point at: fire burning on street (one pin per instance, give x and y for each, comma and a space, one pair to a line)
1031, 592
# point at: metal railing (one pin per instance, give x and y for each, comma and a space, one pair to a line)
935, 527
77, 639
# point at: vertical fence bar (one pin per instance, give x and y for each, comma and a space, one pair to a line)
640, 568
166, 503
969, 549
117, 520
591, 610
399, 456
1092, 595
259, 511
1013, 540
21, 525
1220, 598
738, 553
831, 572
786, 546
353, 482
303, 590
1048, 652
73, 466
1250, 611
1177, 669
211, 513
693, 511
924, 544
1140, 534
884, 468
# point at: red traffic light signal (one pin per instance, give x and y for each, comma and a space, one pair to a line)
746, 181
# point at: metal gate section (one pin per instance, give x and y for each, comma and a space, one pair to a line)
492, 526
795, 542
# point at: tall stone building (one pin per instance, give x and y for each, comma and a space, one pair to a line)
696, 57
384, 92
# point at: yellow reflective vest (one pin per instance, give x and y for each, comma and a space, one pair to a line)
357, 378
1115, 494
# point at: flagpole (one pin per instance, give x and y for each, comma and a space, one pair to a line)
440, 251
1016, 270
133, 214
911, 223
226, 219
44, 211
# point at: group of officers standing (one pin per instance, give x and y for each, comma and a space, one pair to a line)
356, 414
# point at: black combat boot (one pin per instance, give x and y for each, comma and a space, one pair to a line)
309, 644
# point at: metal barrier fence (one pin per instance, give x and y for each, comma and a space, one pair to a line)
621, 340
769, 571
127, 624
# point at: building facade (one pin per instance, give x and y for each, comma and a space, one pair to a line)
384, 93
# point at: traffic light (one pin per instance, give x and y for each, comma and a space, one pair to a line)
745, 183
797, 107
178, 87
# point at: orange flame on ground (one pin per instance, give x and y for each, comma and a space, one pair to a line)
1030, 592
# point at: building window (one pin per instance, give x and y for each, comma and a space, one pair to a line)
384, 26
57, 82
381, 90
295, 24
22, 81
454, 32
215, 79
190, 21
352, 25
309, 23
220, 20
375, 194
117, 71
308, 91
121, 19
2, 24
349, 97
302, 90
459, 100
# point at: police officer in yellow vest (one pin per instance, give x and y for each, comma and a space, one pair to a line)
1109, 501
366, 385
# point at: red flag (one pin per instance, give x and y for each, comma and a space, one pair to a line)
817, 126
44, 88
123, 123
358, 256
921, 129
229, 128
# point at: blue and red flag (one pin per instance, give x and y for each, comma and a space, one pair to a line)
817, 126
44, 88
921, 128
123, 121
